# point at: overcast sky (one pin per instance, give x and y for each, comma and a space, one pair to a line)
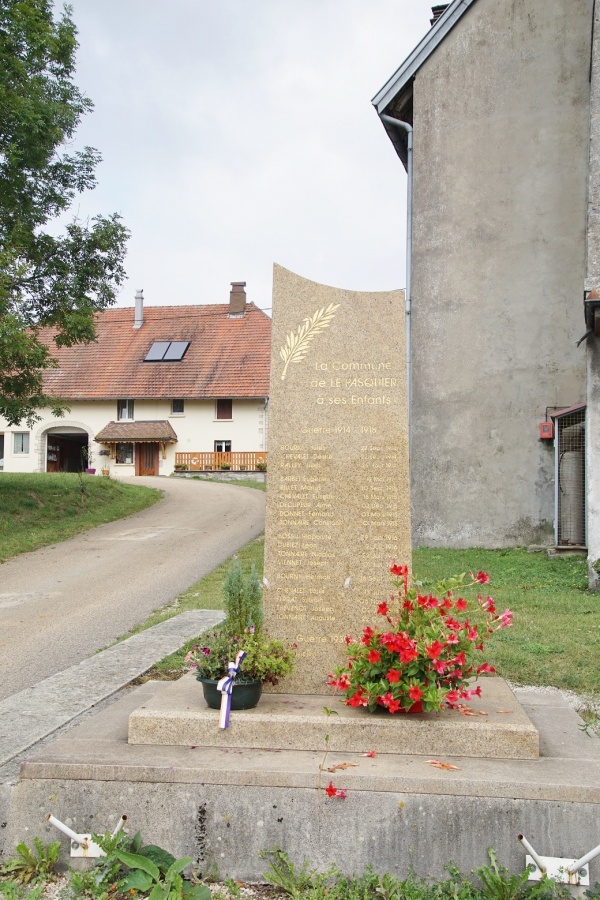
239, 133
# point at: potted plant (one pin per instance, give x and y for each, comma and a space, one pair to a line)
87, 456
426, 651
180, 467
225, 466
104, 468
267, 660
261, 465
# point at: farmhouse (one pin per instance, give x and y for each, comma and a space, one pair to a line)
160, 384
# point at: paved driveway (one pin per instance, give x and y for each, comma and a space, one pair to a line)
60, 604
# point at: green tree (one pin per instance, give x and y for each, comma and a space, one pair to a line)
45, 280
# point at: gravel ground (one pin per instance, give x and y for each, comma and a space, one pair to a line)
219, 891
579, 702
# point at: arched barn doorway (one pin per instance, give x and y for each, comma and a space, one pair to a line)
65, 446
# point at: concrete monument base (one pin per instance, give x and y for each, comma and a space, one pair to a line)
498, 728
225, 804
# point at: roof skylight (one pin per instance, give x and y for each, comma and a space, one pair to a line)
167, 351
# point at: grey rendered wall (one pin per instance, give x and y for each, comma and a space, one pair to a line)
592, 432
501, 147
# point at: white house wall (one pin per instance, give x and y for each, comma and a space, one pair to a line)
197, 429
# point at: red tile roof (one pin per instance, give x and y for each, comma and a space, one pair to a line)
227, 357
137, 431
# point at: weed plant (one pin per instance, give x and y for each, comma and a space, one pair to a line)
489, 882
30, 866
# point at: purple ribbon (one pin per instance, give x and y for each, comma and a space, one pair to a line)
225, 685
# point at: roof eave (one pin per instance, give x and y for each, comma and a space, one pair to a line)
403, 77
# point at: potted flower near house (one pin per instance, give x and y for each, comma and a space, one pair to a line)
267, 660
425, 652
87, 457
104, 466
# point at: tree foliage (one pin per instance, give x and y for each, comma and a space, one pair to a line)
45, 279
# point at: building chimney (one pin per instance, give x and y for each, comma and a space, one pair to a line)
139, 309
438, 11
237, 298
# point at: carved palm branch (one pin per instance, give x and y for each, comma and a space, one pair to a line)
296, 345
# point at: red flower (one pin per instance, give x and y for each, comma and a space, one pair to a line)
415, 693
440, 666
367, 635
434, 650
357, 699
342, 683
374, 656
393, 676
489, 605
452, 698
485, 667
390, 703
481, 578
383, 609
348, 639
461, 604
407, 654
330, 790
400, 571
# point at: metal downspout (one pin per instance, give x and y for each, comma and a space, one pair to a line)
398, 123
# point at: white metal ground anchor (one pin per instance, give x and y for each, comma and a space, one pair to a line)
82, 844
566, 871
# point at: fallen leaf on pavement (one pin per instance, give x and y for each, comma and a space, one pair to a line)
441, 765
341, 766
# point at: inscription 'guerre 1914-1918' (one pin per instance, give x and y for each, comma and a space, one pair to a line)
338, 505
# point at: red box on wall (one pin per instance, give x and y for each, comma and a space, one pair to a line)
546, 431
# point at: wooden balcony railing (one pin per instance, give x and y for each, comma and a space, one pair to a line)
237, 462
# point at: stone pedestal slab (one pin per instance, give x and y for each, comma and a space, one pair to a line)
498, 729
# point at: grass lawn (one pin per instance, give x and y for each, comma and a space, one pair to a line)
555, 639
41, 509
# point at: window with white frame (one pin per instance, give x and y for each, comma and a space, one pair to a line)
124, 410
222, 446
21, 442
177, 407
225, 409
124, 453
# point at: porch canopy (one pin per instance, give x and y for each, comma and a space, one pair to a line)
159, 432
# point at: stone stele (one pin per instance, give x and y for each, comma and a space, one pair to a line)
338, 502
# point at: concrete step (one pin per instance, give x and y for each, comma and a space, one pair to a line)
499, 727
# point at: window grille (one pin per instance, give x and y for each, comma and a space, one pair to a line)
570, 478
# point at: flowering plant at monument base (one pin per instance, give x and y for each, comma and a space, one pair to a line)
425, 652
266, 659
